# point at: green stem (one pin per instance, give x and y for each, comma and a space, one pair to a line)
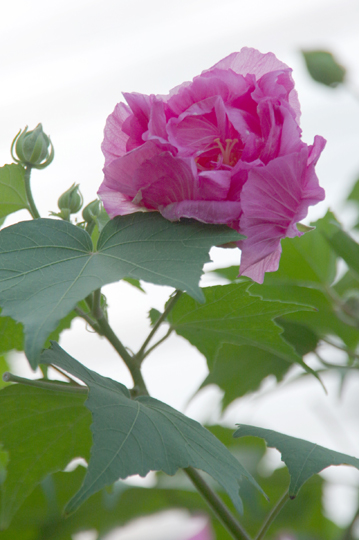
87, 318
217, 505
157, 343
109, 334
272, 515
32, 206
46, 385
96, 304
172, 302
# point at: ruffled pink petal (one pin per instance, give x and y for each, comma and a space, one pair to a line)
316, 149
290, 140
271, 124
195, 130
226, 84
165, 179
136, 124
214, 185
276, 85
224, 212
114, 143
117, 204
273, 199
251, 61
157, 122
120, 173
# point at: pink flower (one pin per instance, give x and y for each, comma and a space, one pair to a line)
224, 148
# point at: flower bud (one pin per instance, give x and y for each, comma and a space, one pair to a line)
70, 202
33, 148
91, 211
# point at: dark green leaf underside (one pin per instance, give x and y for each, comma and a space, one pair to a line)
302, 458
136, 436
47, 266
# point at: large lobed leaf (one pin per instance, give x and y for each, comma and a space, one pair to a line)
302, 458
231, 316
135, 436
47, 266
239, 370
12, 189
42, 431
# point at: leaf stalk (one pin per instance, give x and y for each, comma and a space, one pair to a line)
219, 508
45, 385
172, 302
272, 515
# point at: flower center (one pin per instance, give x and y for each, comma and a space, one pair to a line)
216, 155
229, 157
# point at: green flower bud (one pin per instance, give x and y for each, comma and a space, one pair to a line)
70, 202
91, 211
33, 148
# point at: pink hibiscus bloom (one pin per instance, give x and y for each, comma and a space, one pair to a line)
225, 148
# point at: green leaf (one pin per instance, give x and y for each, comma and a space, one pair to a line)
354, 194
42, 431
154, 315
11, 335
346, 248
135, 283
3, 368
302, 518
306, 272
102, 512
308, 260
136, 436
12, 189
230, 315
302, 458
239, 370
47, 266
323, 67
303, 339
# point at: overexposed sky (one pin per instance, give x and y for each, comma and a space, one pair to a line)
66, 63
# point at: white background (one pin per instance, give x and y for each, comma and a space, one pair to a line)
65, 64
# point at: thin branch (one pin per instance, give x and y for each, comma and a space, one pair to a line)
167, 335
45, 385
217, 505
105, 330
141, 353
272, 515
